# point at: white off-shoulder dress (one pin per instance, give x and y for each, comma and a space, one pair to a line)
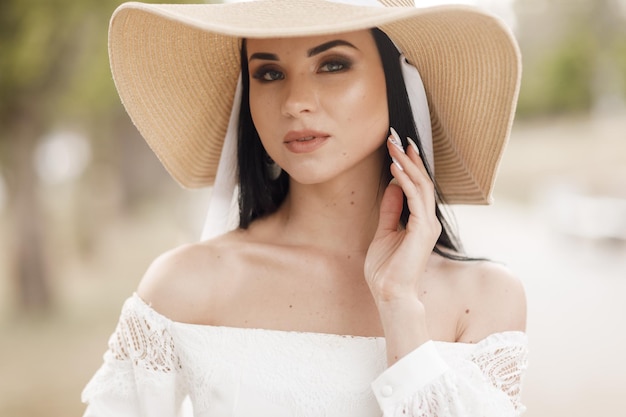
156, 367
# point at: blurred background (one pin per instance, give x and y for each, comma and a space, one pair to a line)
85, 206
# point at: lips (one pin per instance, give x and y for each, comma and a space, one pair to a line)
303, 136
304, 141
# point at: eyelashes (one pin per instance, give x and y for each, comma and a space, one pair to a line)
270, 72
336, 65
265, 74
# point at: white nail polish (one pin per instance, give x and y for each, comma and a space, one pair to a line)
413, 145
395, 139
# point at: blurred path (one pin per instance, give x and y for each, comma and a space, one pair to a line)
576, 309
576, 287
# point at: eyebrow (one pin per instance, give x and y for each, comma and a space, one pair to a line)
311, 52
328, 45
264, 56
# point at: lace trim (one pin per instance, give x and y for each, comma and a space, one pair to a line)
141, 353
504, 368
488, 383
143, 340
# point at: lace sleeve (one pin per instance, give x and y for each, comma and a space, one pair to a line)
485, 383
140, 375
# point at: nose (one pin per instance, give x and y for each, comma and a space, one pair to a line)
300, 97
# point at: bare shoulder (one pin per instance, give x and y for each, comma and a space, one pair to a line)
491, 299
180, 283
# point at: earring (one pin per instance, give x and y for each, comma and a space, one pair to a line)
273, 169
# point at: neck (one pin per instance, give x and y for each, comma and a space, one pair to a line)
339, 215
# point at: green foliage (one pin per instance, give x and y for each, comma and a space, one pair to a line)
562, 80
26, 36
619, 52
53, 59
41, 50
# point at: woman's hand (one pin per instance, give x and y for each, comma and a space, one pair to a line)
396, 258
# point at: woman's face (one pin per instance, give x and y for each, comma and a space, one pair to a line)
319, 103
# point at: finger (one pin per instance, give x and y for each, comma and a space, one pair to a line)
416, 185
394, 138
412, 166
414, 196
415, 156
422, 208
390, 209
411, 163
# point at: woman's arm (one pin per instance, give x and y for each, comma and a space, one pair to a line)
486, 382
396, 259
418, 381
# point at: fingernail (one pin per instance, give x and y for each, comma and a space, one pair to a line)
413, 145
395, 139
397, 163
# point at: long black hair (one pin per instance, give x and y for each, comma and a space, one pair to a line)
260, 194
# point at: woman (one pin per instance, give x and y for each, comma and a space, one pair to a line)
342, 292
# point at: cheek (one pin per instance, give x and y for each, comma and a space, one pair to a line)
366, 104
259, 111
255, 107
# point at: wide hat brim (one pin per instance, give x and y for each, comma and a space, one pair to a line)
176, 68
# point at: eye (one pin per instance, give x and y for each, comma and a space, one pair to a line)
335, 65
268, 74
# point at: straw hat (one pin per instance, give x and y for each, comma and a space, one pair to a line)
176, 68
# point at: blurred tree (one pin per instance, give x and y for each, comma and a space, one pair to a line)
37, 49
560, 82
573, 56
53, 67
619, 52
609, 18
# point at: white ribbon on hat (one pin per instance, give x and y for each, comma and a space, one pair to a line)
221, 217
419, 106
